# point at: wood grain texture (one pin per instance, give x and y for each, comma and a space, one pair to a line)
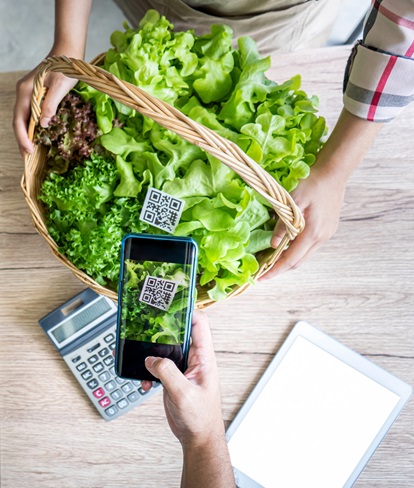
359, 288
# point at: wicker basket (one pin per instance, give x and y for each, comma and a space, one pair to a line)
172, 119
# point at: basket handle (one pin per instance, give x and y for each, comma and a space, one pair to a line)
172, 119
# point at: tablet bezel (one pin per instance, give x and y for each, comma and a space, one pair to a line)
349, 357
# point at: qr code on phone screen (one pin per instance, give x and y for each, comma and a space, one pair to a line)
158, 293
161, 210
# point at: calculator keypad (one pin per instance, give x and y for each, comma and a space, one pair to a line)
110, 386
123, 403
127, 388
133, 397
99, 393
103, 352
116, 395
104, 376
93, 367
111, 411
87, 374
93, 348
81, 367
92, 384
98, 367
109, 338
109, 361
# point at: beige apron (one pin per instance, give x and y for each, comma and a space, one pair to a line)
276, 25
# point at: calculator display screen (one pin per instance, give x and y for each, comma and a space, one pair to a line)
80, 320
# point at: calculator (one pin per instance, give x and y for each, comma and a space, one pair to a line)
83, 330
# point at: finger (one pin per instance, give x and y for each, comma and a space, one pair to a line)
21, 118
278, 233
202, 340
292, 256
146, 385
167, 372
26, 146
58, 88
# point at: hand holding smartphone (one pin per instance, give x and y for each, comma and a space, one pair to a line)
156, 296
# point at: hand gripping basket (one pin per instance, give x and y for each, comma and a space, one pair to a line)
169, 117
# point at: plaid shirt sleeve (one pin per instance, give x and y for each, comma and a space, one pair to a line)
379, 77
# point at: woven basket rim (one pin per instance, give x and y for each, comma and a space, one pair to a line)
171, 118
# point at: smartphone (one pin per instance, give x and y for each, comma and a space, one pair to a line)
156, 295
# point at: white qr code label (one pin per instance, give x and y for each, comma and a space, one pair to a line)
158, 293
161, 210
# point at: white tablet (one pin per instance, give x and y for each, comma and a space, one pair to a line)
315, 417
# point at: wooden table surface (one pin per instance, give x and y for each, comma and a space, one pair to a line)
358, 288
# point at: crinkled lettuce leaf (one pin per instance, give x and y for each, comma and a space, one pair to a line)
225, 89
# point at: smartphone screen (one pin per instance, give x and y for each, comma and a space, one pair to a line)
156, 297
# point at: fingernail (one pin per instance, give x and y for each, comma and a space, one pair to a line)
149, 361
44, 121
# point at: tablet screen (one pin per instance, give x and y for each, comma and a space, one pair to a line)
311, 423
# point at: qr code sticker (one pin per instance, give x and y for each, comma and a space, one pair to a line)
161, 210
158, 293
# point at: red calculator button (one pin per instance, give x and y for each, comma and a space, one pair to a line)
99, 393
105, 402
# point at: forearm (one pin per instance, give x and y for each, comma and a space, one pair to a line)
346, 147
207, 465
71, 27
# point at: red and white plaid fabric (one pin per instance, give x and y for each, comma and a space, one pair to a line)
379, 78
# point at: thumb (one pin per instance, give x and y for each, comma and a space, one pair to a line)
167, 372
59, 86
278, 233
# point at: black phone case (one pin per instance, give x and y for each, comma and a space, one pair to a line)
131, 354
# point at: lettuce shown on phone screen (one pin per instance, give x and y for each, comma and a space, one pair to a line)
154, 301
94, 204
